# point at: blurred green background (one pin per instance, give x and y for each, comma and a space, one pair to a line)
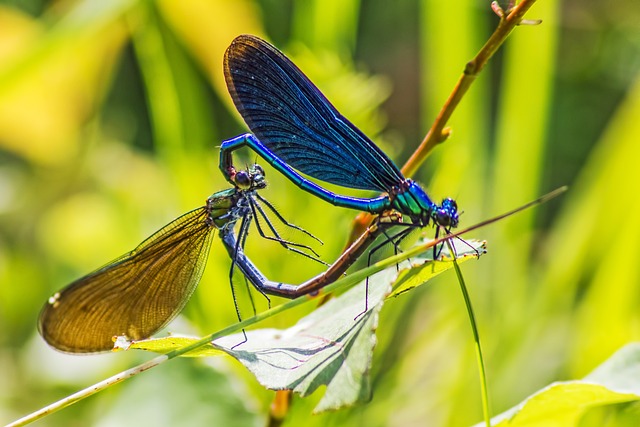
110, 118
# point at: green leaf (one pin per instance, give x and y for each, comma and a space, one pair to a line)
332, 346
564, 403
327, 347
423, 268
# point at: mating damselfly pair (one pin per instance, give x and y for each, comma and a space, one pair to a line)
295, 129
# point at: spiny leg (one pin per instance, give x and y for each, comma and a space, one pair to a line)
257, 209
447, 231
478, 254
244, 227
292, 246
437, 249
284, 221
395, 240
242, 238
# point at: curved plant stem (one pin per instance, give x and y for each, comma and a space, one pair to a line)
484, 388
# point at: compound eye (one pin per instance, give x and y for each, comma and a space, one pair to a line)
242, 180
449, 204
443, 218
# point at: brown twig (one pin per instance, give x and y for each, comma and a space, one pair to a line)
279, 407
438, 133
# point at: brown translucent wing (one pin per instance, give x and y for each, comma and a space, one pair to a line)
134, 295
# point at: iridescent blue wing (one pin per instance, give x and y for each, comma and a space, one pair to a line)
294, 120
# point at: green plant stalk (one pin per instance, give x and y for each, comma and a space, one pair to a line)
484, 388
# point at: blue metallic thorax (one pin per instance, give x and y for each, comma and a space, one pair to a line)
412, 200
409, 198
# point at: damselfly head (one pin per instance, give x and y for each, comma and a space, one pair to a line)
250, 179
447, 214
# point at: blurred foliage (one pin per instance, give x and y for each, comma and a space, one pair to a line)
110, 114
612, 388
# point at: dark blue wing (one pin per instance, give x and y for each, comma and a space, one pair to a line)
294, 120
